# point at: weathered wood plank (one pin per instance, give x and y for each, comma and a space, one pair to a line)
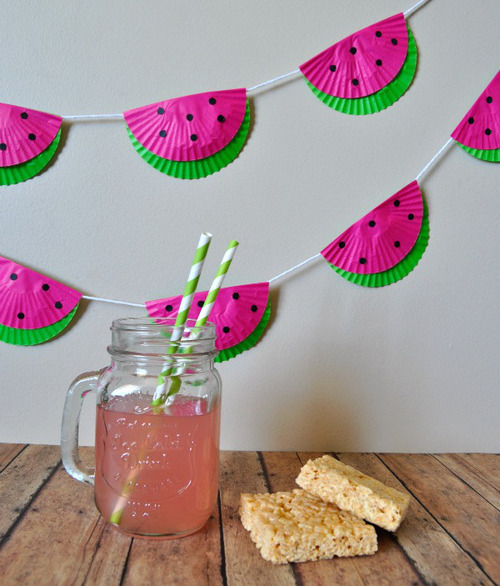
242, 472
471, 520
487, 466
20, 482
63, 540
388, 566
435, 555
195, 559
8, 452
480, 478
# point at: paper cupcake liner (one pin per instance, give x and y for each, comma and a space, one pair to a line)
189, 128
202, 167
25, 133
24, 171
31, 337
381, 238
362, 63
381, 99
491, 155
236, 313
247, 343
400, 270
30, 300
480, 128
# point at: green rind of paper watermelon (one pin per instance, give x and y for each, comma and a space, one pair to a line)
383, 98
24, 171
248, 342
201, 167
491, 155
21, 337
398, 271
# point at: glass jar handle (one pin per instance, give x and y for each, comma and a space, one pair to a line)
77, 392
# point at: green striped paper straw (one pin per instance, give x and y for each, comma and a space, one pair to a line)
208, 304
159, 396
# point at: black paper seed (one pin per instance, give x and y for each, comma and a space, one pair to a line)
355, 82
236, 295
58, 305
353, 50
20, 315
487, 131
13, 277
189, 117
470, 120
410, 216
341, 244
221, 118
193, 137
362, 260
396, 202
212, 101
226, 330
489, 99
168, 308
254, 308
394, 41
163, 133
371, 223
333, 68
378, 34
24, 115
3, 146
201, 303
31, 136
161, 110
397, 244
45, 287
378, 62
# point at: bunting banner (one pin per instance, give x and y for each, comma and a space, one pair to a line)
381, 248
192, 137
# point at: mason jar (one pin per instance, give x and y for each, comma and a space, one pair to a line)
157, 428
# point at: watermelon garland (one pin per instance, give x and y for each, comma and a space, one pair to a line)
384, 245
479, 130
367, 71
192, 136
28, 141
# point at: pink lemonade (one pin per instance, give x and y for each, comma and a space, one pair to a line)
157, 474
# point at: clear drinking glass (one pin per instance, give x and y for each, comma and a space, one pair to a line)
156, 469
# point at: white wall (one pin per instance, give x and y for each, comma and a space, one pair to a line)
410, 367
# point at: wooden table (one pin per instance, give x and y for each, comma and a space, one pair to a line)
51, 533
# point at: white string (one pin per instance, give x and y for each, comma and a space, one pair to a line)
413, 9
296, 267
93, 117
274, 80
113, 301
435, 158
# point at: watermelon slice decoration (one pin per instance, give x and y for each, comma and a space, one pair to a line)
240, 315
367, 71
28, 141
385, 245
192, 136
479, 131
34, 307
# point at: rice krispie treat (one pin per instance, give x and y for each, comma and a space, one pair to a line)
354, 491
299, 527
